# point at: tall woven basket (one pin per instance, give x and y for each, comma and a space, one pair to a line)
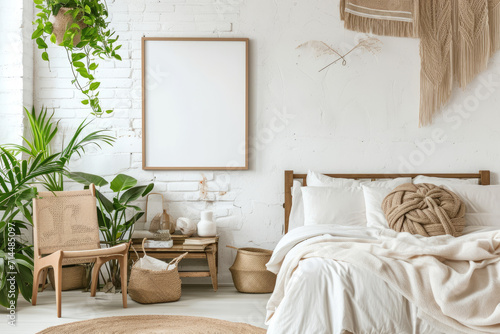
249, 271
150, 286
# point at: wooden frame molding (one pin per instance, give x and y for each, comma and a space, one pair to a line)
143, 85
483, 178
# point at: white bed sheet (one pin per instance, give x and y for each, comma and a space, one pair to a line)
332, 297
327, 296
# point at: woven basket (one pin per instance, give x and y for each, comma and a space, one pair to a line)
73, 277
149, 286
249, 271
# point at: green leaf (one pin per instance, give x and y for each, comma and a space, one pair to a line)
118, 57
37, 33
79, 64
149, 188
93, 66
38, 2
87, 9
88, 21
85, 102
48, 28
94, 85
109, 111
78, 56
83, 72
106, 203
53, 38
41, 43
132, 221
42, 15
86, 179
122, 182
132, 194
45, 56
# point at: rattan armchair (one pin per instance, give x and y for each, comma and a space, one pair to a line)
66, 231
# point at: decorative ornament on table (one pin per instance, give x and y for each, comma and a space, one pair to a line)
206, 226
162, 237
155, 223
186, 226
156, 214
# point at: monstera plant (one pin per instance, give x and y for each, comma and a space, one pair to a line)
81, 28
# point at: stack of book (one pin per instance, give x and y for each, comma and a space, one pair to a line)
198, 243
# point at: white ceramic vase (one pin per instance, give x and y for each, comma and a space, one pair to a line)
206, 226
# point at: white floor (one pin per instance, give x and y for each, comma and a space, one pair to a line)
197, 300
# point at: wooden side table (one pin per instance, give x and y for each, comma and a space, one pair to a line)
210, 253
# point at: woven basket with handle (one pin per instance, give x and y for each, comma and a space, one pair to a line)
249, 271
150, 286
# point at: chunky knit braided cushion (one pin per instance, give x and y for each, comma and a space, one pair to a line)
424, 209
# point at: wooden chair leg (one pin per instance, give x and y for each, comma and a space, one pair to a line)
95, 276
45, 271
58, 285
56, 263
123, 274
36, 277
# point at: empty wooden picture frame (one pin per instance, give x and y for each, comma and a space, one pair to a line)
194, 103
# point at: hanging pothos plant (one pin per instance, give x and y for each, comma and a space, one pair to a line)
81, 27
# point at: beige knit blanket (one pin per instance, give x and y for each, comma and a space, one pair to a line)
454, 282
457, 39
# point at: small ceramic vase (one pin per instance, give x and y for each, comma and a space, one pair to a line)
186, 226
206, 226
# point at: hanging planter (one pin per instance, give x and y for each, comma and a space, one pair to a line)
81, 27
64, 22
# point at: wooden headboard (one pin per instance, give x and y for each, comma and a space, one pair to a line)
483, 178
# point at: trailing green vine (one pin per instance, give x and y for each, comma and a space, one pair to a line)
86, 38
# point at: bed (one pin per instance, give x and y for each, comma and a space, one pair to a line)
335, 278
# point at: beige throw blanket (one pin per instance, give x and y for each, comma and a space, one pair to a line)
457, 39
455, 282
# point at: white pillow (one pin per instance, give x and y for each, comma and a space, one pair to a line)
438, 181
319, 180
297, 212
374, 194
482, 203
332, 205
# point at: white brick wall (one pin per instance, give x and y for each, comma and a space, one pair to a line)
16, 68
187, 193
362, 117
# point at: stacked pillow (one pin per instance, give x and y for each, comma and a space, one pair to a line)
328, 200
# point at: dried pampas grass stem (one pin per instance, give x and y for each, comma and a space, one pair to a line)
370, 44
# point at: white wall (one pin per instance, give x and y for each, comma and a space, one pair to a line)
16, 68
362, 117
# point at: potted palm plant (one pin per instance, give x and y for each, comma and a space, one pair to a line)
41, 131
82, 28
17, 178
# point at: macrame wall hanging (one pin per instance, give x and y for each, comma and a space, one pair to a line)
457, 38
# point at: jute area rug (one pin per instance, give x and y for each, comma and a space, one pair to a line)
154, 324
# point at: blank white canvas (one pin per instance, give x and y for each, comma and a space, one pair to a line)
195, 104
